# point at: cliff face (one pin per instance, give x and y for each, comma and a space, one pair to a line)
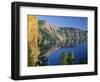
33, 38
56, 34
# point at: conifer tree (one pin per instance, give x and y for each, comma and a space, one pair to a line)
71, 58
63, 59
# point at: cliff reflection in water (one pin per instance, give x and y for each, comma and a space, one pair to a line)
75, 51
50, 48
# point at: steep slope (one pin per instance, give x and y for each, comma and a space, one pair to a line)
56, 34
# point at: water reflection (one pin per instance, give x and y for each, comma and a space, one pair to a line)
50, 48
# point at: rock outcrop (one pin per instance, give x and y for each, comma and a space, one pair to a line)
56, 34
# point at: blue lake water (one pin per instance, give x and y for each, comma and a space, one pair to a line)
80, 52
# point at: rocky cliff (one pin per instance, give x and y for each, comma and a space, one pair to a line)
56, 34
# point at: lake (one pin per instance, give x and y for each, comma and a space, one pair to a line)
80, 54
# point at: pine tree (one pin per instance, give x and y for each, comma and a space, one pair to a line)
63, 59
71, 58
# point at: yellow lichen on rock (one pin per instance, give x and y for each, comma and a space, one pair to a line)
33, 37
